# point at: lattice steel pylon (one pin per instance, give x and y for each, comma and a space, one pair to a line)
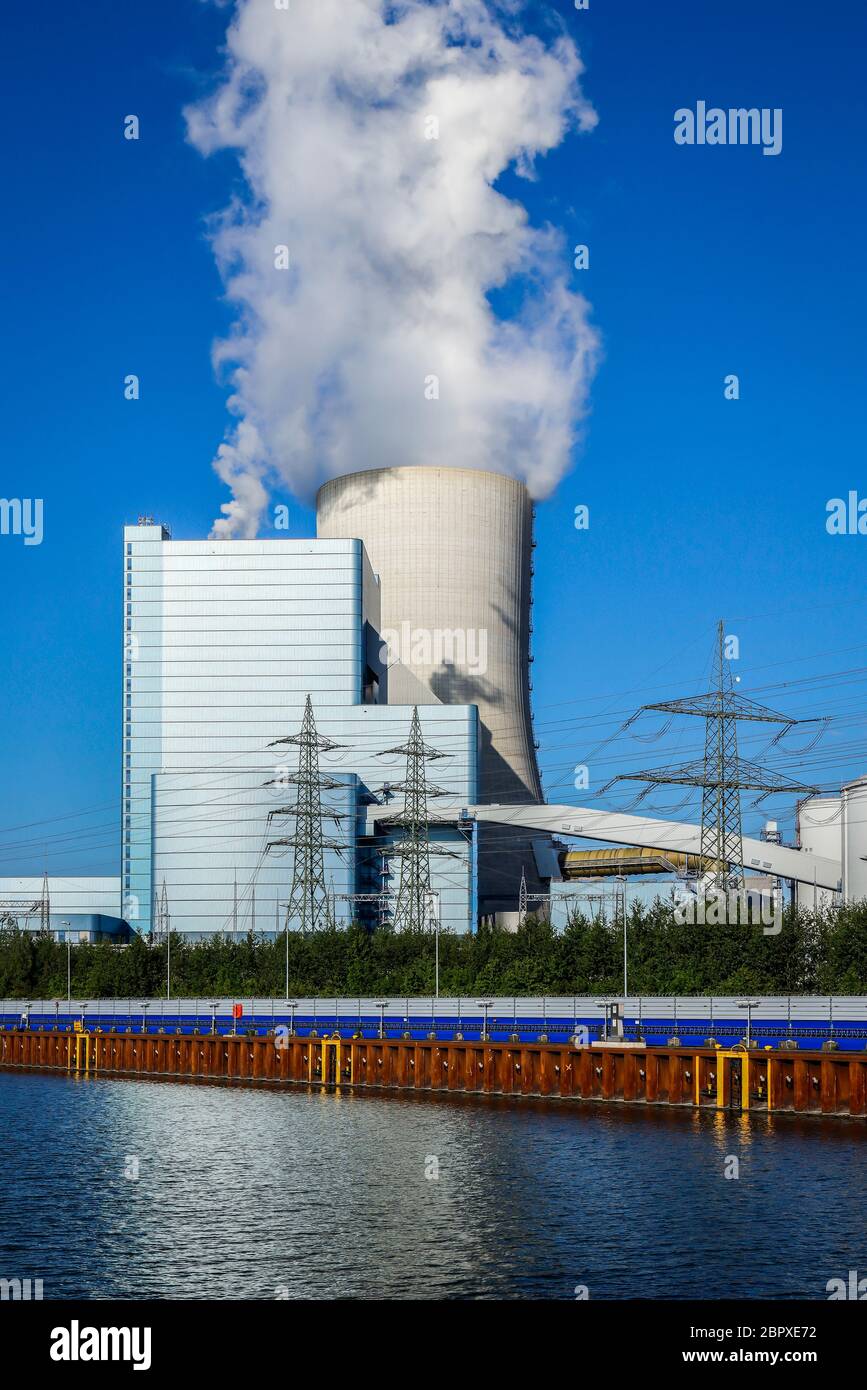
12, 911
412, 909
310, 904
162, 920
721, 774
45, 906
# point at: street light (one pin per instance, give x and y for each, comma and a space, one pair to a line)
485, 1004
382, 1005
621, 878
292, 1005
68, 963
287, 950
434, 912
144, 1005
213, 1006
749, 1005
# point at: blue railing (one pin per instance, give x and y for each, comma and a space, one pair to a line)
850, 1035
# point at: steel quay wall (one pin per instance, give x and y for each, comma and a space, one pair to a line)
770, 1082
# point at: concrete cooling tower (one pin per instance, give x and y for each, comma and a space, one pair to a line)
452, 548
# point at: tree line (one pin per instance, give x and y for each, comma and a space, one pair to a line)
821, 952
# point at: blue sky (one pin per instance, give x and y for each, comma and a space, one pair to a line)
704, 262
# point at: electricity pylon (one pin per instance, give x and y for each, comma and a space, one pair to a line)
160, 920
721, 774
45, 906
12, 911
412, 905
164, 918
309, 902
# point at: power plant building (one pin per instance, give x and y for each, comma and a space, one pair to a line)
453, 550
72, 908
224, 640
415, 595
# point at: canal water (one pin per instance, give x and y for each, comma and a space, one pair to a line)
147, 1189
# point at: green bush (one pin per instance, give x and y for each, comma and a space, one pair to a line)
815, 953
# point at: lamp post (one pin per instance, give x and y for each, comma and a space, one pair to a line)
213, 1006
434, 907
485, 1004
68, 963
382, 1005
144, 1005
287, 952
621, 879
749, 1005
292, 1005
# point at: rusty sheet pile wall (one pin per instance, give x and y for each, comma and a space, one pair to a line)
800, 1082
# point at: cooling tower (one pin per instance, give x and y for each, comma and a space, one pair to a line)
452, 548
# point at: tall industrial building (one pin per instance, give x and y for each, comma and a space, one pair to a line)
452, 548
223, 642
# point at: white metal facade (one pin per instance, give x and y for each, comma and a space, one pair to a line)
223, 642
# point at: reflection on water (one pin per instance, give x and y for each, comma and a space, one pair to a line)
259, 1194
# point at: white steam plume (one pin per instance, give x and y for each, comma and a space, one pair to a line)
395, 240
